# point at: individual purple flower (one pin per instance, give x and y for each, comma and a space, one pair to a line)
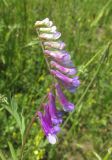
61, 56
49, 130
70, 87
47, 114
67, 63
55, 118
58, 55
50, 36
67, 106
48, 119
68, 81
52, 44
68, 71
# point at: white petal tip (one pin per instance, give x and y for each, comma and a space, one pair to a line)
52, 138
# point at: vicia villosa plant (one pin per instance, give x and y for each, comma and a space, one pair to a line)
63, 73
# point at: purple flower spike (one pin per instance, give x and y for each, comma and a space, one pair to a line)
68, 71
66, 80
67, 106
58, 55
48, 129
57, 45
61, 67
53, 111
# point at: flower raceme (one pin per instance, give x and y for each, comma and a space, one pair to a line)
63, 70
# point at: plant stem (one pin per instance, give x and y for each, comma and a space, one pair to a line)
41, 44
28, 129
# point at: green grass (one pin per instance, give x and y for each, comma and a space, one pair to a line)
86, 28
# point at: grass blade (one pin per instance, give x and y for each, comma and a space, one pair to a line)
14, 157
97, 156
108, 154
2, 156
5, 3
100, 15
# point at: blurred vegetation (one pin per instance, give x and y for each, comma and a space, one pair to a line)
86, 27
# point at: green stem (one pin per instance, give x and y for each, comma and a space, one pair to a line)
26, 135
28, 129
41, 44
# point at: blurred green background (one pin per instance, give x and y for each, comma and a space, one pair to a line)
86, 27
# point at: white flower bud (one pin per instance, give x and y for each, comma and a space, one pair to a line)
53, 36
44, 22
58, 45
49, 30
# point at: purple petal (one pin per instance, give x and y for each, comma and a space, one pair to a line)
56, 35
71, 89
47, 115
67, 106
52, 110
47, 128
76, 81
58, 55
67, 63
66, 80
56, 129
69, 71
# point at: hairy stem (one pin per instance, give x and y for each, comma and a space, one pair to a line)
41, 44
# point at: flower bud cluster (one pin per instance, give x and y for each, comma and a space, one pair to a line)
62, 68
